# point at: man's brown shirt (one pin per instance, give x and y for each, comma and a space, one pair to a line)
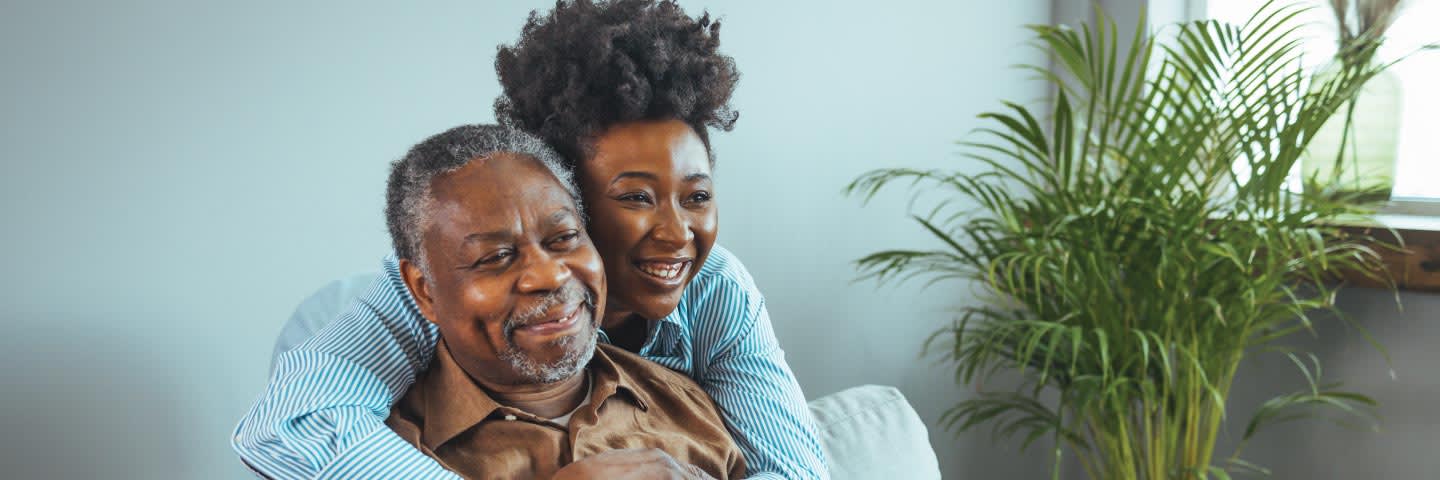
633, 403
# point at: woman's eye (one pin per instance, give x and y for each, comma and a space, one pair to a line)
699, 197
635, 197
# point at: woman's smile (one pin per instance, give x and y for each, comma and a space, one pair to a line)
667, 273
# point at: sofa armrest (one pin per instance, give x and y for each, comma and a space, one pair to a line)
871, 432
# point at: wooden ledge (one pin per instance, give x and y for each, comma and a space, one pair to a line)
1416, 267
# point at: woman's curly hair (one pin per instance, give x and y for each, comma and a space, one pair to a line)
587, 65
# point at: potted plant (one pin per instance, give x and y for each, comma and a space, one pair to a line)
1135, 242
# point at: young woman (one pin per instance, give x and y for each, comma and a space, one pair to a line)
626, 91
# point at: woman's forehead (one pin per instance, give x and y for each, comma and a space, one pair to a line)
660, 147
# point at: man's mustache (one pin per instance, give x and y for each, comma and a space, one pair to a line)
570, 293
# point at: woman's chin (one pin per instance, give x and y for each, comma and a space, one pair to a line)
659, 312
653, 308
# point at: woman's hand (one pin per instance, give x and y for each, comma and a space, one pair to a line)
632, 464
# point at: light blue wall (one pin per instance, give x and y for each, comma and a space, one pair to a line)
178, 174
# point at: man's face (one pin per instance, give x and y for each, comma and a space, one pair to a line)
514, 283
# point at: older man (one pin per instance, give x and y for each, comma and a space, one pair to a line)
492, 245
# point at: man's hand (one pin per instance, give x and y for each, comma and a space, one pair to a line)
633, 464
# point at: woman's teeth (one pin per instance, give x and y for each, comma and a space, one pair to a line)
663, 270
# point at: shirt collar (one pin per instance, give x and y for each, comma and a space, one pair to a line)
663, 335
610, 379
454, 403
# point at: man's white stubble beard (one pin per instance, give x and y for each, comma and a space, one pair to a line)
578, 353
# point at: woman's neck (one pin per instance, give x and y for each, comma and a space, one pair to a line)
628, 333
616, 315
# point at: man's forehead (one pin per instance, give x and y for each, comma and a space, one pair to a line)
498, 178
502, 231
499, 195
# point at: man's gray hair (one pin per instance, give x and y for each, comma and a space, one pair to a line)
408, 196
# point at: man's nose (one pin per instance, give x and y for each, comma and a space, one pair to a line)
544, 272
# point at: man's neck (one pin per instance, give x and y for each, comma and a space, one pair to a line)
542, 400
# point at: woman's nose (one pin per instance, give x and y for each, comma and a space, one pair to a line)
672, 228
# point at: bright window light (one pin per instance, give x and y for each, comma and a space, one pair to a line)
1417, 168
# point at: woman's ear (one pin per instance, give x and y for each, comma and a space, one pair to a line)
419, 287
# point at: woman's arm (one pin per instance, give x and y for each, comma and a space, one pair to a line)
741, 366
323, 413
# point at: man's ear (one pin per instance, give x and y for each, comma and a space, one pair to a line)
419, 287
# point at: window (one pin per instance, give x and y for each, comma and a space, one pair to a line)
1414, 213
1417, 169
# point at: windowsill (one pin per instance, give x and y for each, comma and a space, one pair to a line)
1416, 267
1410, 206
1409, 222
1423, 223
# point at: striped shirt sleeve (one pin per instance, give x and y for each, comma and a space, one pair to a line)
323, 413
752, 385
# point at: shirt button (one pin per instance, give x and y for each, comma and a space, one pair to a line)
510, 417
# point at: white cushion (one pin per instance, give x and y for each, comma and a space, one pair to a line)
870, 432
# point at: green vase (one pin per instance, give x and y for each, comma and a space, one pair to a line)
1368, 165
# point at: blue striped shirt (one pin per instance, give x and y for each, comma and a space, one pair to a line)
322, 416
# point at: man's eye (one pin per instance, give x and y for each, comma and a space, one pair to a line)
495, 259
565, 240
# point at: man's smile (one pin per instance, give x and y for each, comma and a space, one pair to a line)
562, 321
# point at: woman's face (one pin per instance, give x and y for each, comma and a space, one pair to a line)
653, 216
